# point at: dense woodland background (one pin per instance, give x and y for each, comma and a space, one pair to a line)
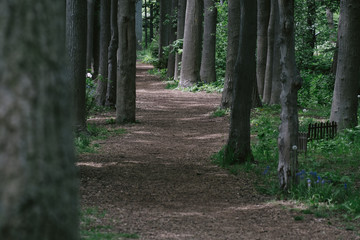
267, 58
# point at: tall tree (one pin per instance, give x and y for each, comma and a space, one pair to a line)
172, 38
207, 68
291, 82
138, 23
191, 57
126, 88
164, 30
105, 36
76, 19
345, 102
38, 177
90, 32
179, 34
112, 56
238, 145
232, 50
263, 14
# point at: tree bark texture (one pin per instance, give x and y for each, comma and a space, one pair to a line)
90, 32
276, 69
76, 17
96, 39
164, 30
105, 35
180, 34
139, 24
172, 38
191, 57
238, 146
112, 56
263, 14
232, 50
270, 54
291, 82
345, 101
207, 68
126, 89
38, 177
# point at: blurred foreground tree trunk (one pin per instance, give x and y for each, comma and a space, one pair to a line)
38, 177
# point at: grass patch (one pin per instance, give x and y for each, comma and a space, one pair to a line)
220, 112
90, 229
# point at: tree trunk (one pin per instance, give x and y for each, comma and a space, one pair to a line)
263, 14
126, 89
38, 177
90, 32
112, 56
105, 36
238, 146
190, 68
207, 69
164, 30
172, 38
291, 82
232, 50
151, 22
180, 34
96, 46
345, 102
76, 49
270, 54
139, 23
276, 70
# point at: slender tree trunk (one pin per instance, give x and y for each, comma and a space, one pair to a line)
76, 49
336, 52
38, 177
190, 68
126, 88
172, 38
276, 71
270, 54
291, 82
232, 50
146, 26
151, 24
263, 14
180, 34
90, 32
164, 30
96, 46
139, 23
345, 102
238, 146
207, 69
112, 57
105, 36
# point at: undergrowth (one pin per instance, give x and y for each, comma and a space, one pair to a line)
328, 176
90, 229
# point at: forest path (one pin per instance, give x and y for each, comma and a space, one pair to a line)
157, 179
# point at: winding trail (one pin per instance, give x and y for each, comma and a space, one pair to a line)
157, 180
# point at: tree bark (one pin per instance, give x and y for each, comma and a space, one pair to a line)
238, 145
112, 56
270, 54
291, 82
276, 70
76, 49
263, 14
232, 50
105, 36
345, 101
96, 46
180, 34
164, 30
172, 38
90, 32
38, 177
139, 23
126, 89
207, 68
190, 68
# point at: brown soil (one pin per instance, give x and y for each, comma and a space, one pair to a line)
157, 180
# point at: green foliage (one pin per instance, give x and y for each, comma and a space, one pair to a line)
84, 142
91, 230
205, 87
221, 40
220, 112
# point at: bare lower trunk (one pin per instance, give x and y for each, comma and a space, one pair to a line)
171, 57
126, 88
38, 177
291, 82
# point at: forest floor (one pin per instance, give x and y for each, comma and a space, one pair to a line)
157, 179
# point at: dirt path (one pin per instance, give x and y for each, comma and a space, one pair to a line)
157, 179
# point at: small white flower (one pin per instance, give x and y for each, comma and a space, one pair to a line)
294, 147
89, 75
305, 110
